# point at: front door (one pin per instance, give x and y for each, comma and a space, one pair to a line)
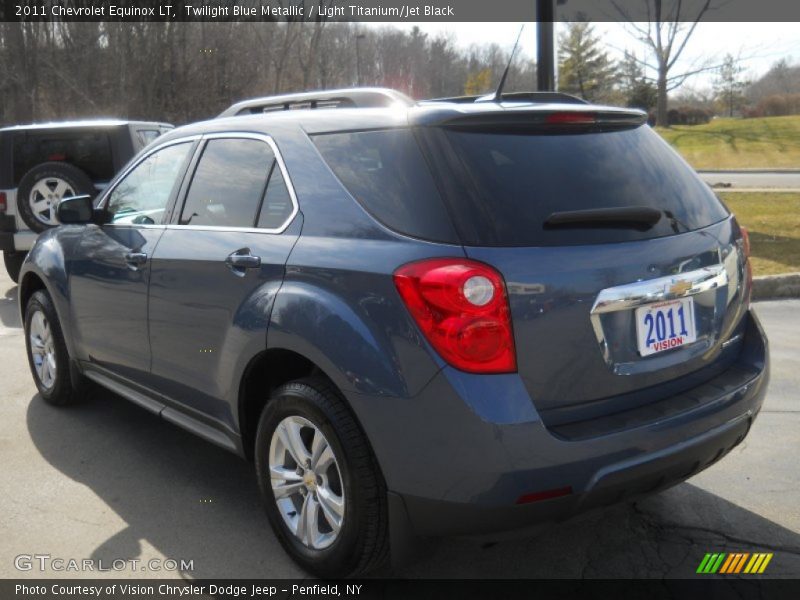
110, 268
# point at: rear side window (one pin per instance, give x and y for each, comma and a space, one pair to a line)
277, 205
503, 186
86, 148
387, 174
145, 136
228, 184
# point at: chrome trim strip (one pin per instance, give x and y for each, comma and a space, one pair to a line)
222, 135
640, 293
732, 340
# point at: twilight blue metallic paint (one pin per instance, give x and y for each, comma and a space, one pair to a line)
456, 450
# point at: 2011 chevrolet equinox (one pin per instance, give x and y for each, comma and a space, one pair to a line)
454, 317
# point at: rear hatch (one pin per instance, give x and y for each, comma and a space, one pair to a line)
625, 273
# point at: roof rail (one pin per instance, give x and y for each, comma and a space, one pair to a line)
344, 98
538, 97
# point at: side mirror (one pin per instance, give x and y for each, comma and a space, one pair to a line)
78, 209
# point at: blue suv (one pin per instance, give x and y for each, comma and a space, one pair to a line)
467, 316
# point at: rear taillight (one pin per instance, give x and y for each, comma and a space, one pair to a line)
3, 205
745, 241
748, 267
461, 307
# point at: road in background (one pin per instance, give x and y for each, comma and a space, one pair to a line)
107, 480
752, 179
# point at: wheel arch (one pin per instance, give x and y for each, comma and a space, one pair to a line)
30, 283
45, 269
265, 372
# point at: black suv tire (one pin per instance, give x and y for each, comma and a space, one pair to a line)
78, 181
362, 543
13, 262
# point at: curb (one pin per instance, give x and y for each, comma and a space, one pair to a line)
756, 171
768, 287
725, 190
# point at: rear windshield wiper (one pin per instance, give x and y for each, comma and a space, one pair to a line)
629, 216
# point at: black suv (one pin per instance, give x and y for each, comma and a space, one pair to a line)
42, 163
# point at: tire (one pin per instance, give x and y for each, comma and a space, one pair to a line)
361, 544
56, 389
13, 261
46, 184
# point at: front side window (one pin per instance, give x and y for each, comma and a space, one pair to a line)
141, 198
228, 184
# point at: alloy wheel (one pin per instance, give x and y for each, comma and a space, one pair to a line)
43, 350
45, 196
306, 482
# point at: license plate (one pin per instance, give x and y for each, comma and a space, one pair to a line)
665, 325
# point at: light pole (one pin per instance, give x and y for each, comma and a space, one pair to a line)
545, 56
359, 37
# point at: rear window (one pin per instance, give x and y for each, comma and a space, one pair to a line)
387, 174
87, 149
503, 186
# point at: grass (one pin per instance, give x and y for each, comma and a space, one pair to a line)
770, 142
773, 221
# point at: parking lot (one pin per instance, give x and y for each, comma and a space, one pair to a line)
107, 480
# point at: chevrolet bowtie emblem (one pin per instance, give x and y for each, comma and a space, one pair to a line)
680, 287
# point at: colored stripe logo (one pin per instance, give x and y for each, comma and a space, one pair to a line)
734, 563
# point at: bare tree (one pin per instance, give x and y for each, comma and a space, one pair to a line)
182, 72
666, 35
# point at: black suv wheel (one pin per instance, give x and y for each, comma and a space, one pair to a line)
43, 187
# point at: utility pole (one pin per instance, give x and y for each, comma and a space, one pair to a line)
545, 46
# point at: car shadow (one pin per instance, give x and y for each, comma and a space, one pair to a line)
9, 311
191, 500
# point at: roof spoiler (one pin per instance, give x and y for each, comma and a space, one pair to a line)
344, 98
549, 119
532, 97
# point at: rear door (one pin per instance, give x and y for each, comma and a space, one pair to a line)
216, 271
609, 309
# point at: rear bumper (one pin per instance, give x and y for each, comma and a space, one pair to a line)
457, 458
617, 482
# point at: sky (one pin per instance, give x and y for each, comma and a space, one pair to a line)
758, 44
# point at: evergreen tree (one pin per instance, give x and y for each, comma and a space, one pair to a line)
639, 91
584, 69
729, 85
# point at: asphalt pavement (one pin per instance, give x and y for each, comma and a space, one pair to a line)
106, 480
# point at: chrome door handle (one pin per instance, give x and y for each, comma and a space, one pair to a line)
242, 259
135, 259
